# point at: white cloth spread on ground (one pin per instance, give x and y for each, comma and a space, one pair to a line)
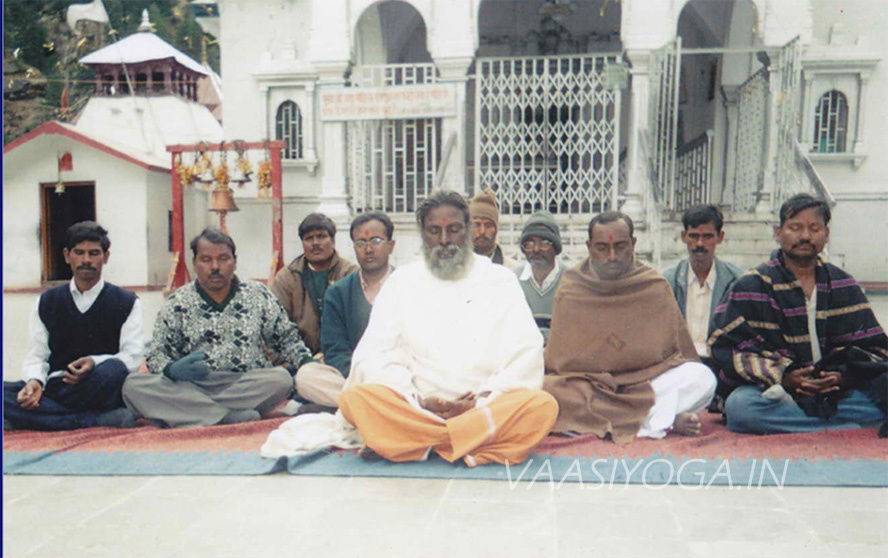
433, 338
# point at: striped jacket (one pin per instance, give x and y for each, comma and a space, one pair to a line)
761, 330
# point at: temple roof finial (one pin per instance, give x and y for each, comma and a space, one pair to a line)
146, 26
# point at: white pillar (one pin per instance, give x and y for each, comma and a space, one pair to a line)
808, 106
453, 70
861, 118
731, 95
308, 133
334, 199
636, 164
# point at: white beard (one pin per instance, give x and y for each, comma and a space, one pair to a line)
453, 267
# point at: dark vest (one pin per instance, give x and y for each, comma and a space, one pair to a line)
73, 335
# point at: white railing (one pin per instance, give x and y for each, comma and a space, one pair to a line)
802, 177
382, 75
693, 172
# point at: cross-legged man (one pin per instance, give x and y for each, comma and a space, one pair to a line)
84, 338
797, 340
347, 306
209, 356
451, 360
620, 360
302, 285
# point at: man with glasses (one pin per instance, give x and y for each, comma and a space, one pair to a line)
347, 306
539, 276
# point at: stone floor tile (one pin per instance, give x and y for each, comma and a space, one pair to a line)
849, 526
844, 550
725, 497
483, 528
749, 525
395, 488
774, 549
832, 498
499, 491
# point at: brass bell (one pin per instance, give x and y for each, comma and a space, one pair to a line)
222, 201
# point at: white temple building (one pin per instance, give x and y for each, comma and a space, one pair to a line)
575, 106
111, 165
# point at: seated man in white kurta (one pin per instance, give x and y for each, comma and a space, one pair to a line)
451, 360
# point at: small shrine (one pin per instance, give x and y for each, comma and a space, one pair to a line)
144, 64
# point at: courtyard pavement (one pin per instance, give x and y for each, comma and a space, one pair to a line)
283, 515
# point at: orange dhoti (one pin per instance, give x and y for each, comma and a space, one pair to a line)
505, 429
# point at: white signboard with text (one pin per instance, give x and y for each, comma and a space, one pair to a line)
434, 100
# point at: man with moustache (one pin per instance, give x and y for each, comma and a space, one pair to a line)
347, 306
484, 214
619, 360
209, 356
797, 340
699, 293
451, 360
301, 286
539, 277
84, 338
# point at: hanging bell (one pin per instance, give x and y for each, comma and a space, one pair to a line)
239, 178
222, 201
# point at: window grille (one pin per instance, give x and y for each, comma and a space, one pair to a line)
288, 129
831, 123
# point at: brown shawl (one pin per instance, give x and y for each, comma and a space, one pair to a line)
609, 340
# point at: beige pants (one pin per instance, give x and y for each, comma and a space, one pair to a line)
319, 383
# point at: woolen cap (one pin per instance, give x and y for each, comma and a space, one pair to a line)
484, 206
542, 225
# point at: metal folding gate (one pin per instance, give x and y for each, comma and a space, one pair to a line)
547, 133
392, 163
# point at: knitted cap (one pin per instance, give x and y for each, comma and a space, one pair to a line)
484, 206
542, 225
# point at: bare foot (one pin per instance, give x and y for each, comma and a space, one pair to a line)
687, 424
368, 454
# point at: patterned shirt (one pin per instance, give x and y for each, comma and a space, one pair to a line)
236, 334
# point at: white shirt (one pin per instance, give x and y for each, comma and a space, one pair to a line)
697, 308
429, 337
132, 340
812, 326
548, 282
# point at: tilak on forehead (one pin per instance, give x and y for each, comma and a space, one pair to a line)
610, 238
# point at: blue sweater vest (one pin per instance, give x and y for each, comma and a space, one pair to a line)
96, 332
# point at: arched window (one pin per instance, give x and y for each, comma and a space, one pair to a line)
288, 128
831, 123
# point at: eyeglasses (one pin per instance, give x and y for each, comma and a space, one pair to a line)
541, 244
375, 242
